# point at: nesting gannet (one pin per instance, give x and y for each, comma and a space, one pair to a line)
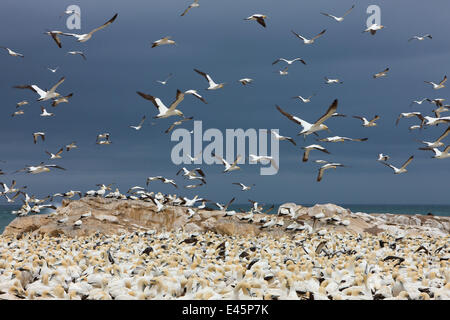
255, 158
308, 41
63, 99
437, 143
407, 115
192, 5
420, 38
374, 28
81, 53
139, 126
243, 186
55, 36
367, 123
163, 41
331, 81
165, 81
165, 112
39, 168
228, 167
45, 113
43, 95
304, 100
381, 74
438, 86
326, 167
383, 157
177, 123
53, 70
77, 224
289, 61
402, 169
258, 18
85, 37
309, 128
245, 81
71, 146
195, 94
55, 155
282, 138
339, 19
312, 147
212, 84
340, 139
38, 134
12, 53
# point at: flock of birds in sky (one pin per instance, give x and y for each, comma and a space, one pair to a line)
166, 111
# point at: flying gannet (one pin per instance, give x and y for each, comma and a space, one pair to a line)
40, 168
165, 112
367, 123
85, 37
381, 74
63, 99
245, 81
420, 38
139, 126
331, 81
177, 123
438, 86
43, 95
81, 53
165, 81
212, 84
163, 41
243, 186
374, 28
407, 115
289, 61
326, 167
339, 19
437, 143
55, 36
402, 169
45, 113
192, 5
312, 147
383, 157
71, 146
258, 18
53, 70
340, 139
282, 138
12, 53
55, 155
195, 94
439, 154
304, 100
38, 134
308, 41
255, 158
228, 167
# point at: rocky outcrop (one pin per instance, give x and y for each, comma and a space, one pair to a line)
109, 216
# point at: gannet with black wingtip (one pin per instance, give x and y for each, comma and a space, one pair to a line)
40, 168
312, 147
192, 159
139, 126
383, 157
245, 81
402, 169
165, 112
55, 155
309, 128
339, 19
43, 95
63, 99
283, 72
421, 38
38, 134
195, 94
192, 174
304, 100
85, 37
439, 154
192, 5
430, 121
308, 41
53, 70
45, 113
177, 123
71, 146
212, 84
440, 85
81, 53
418, 101
326, 167
441, 109
282, 138
243, 186
437, 143
55, 36
12, 53
381, 74
18, 113
255, 158
289, 61
374, 28
367, 123
228, 167
21, 103
165, 81
340, 139
258, 18
331, 81
163, 41
407, 115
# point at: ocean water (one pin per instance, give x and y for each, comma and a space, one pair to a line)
439, 210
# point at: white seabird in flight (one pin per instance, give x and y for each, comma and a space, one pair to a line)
326, 167
283, 72
439, 154
430, 121
312, 147
71, 146
53, 70
407, 115
55, 155
304, 100
45, 113
245, 81
40, 168
38, 134
331, 81
195, 94
85, 37
43, 95
192, 5
374, 28
402, 169
383, 157
163, 41
12, 53
282, 138
438, 86
367, 123
419, 101
139, 126
177, 123
289, 61
165, 81
212, 84
243, 186
258, 18
228, 167
309, 128
81, 53
420, 38
381, 74
308, 41
63, 99
340, 139
437, 143
165, 112
339, 19
255, 158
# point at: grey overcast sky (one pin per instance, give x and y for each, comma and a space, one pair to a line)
215, 39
